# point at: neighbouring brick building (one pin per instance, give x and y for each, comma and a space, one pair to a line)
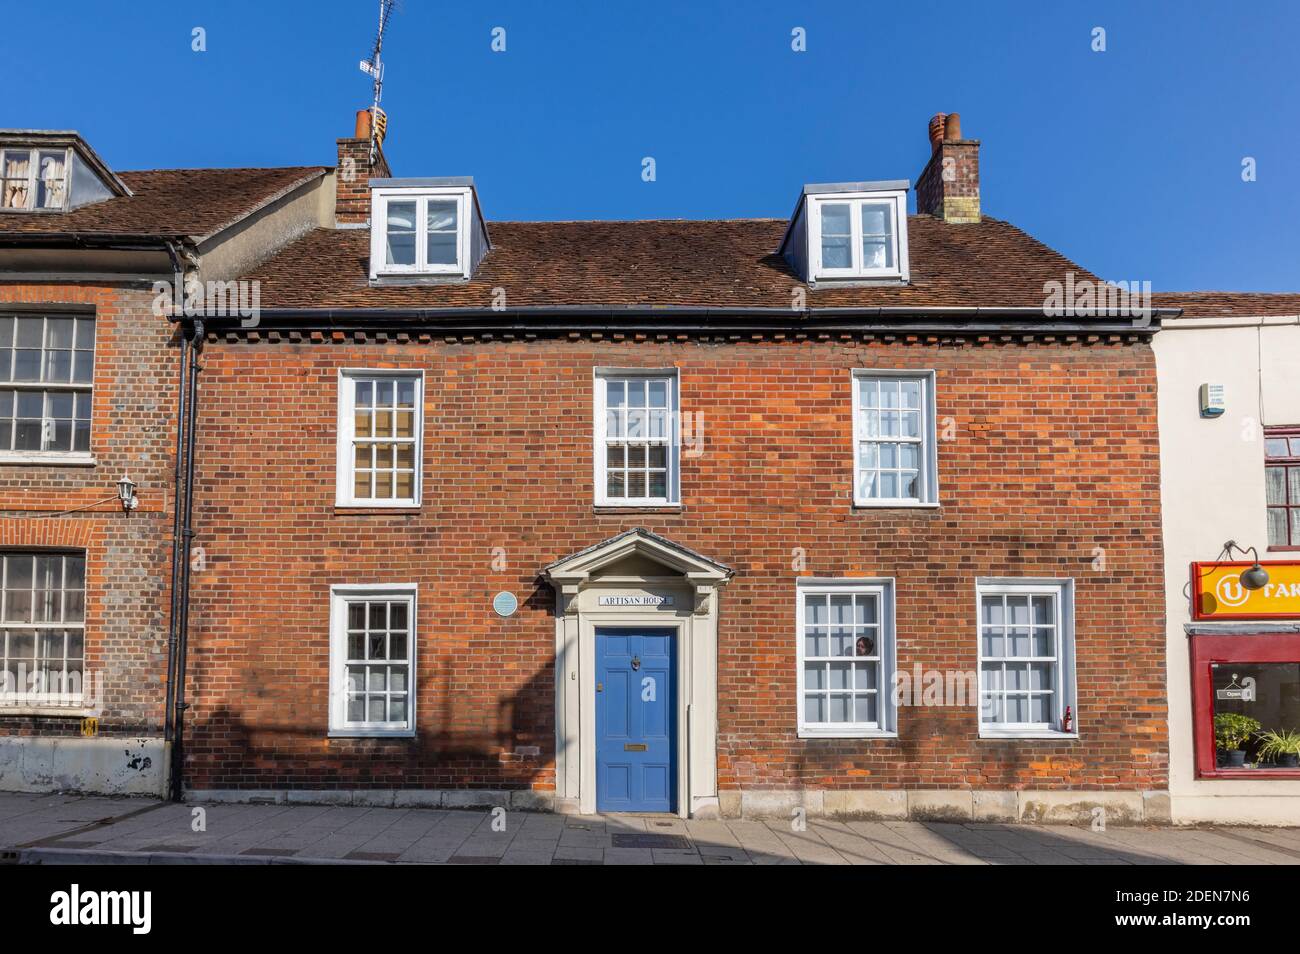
89, 370
647, 515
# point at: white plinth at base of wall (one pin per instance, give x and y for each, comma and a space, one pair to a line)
517, 800
1037, 807
1281, 810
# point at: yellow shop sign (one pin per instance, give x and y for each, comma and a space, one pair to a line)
1217, 592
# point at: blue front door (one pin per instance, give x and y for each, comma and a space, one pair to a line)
636, 734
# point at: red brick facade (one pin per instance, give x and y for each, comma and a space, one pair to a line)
1048, 466
128, 557
352, 185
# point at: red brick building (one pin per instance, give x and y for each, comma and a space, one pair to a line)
89, 369
649, 515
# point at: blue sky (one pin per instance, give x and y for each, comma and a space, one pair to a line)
1129, 161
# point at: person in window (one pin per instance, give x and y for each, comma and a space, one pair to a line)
866, 646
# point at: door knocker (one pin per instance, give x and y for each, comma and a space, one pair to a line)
636, 663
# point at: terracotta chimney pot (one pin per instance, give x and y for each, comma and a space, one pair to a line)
363, 124
937, 125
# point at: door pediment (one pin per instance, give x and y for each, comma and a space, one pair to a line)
637, 552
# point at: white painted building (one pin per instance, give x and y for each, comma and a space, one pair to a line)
1226, 477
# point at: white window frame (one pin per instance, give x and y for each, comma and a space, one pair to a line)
672, 440
340, 596
22, 698
929, 456
898, 199
75, 388
33, 176
381, 197
882, 588
1065, 682
345, 461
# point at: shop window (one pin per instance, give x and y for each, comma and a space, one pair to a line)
1282, 485
1256, 714
1246, 704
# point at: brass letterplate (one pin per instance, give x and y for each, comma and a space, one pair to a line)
634, 747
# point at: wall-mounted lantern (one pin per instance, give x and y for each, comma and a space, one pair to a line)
126, 494
1256, 577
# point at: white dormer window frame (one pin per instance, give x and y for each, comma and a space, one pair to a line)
382, 202
895, 201
25, 186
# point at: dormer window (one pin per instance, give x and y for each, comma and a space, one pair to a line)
419, 230
33, 178
853, 231
858, 235
52, 171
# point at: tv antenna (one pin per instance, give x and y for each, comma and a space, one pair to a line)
374, 68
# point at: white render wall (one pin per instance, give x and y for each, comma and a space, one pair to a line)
1212, 490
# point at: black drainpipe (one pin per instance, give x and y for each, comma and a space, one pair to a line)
178, 553
195, 347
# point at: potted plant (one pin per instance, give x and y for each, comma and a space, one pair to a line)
1281, 747
1231, 733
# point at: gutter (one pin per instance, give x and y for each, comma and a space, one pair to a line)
675, 318
1217, 322
124, 241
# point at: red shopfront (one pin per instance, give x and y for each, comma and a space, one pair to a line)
1245, 669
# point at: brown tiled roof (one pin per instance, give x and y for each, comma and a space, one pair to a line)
1213, 304
169, 202
728, 263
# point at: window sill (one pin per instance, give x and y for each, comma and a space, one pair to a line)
51, 712
1031, 734
846, 734
1283, 549
894, 505
49, 460
1234, 774
635, 508
371, 733
859, 281
417, 278
365, 509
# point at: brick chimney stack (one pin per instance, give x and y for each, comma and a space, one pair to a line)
354, 172
949, 188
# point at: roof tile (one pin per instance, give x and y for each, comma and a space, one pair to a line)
168, 202
720, 263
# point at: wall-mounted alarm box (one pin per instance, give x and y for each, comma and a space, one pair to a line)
1212, 402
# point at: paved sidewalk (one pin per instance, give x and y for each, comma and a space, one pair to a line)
65, 828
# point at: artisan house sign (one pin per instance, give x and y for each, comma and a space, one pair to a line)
1217, 592
634, 601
